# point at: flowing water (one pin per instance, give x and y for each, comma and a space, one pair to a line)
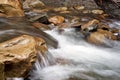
75, 59
78, 60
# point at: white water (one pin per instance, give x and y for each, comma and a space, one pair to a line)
80, 60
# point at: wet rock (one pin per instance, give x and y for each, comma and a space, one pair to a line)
90, 26
60, 9
33, 4
41, 26
56, 19
42, 18
2, 76
12, 27
41, 45
11, 8
104, 27
18, 55
97, 11
2, 15
86, 11
41, 10
65, 12
100, 37
79, 7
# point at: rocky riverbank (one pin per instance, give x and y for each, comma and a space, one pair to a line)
23, 24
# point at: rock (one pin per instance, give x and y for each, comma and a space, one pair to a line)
65, 12
41, 45
60, 9
33, 4
91, 25
86, 11
41, 26
12, 8
42, 18
108, 34
56, 19
97, 11
12, 27
104, 27
18, 55
2, 15
100, 37
63, 25
79, 7
41, 10
2, 76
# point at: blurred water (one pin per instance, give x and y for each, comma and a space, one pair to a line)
79, 59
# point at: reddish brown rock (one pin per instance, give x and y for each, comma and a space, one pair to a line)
56, 19
12, 8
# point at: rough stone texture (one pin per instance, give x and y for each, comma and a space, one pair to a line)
12, 8
18, 55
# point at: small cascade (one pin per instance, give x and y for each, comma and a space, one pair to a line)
42, 61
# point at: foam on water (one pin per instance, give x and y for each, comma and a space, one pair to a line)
85, 61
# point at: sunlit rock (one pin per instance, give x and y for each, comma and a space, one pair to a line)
91, 25
79, 7
18, 55
12, 8
56, 19
100, 37
97, 11
41, 45
33, 4
60, 9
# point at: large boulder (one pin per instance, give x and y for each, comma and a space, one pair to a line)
18, 56
12, 8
